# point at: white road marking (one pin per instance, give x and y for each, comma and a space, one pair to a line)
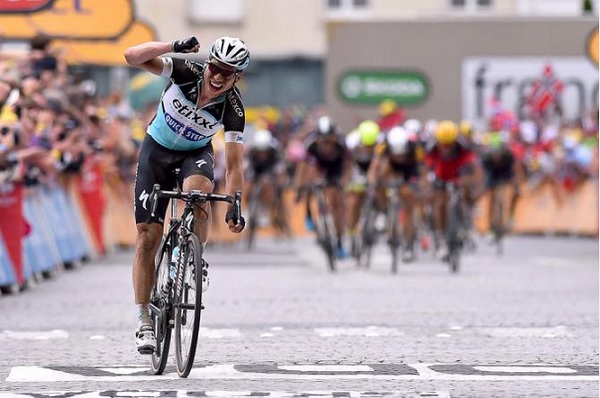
548, 332
524, 369
443, 335
277, 328
370, 331
327, 368
97, 337
456, 327
184, 393
267, 335
219, 333
36, 374
125, 370
34, 335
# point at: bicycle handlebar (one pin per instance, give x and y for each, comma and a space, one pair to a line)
195, 195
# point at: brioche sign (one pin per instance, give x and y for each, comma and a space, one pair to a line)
90, 31
20, 6
592, 46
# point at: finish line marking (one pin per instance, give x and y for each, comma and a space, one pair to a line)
182, 393
33, 374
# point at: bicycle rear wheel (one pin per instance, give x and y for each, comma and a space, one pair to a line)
453, 235
254, 203
367, 236
188, 305
325, 226
497, 224
394, 230
161, 299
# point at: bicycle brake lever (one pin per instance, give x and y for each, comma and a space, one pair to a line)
237, 207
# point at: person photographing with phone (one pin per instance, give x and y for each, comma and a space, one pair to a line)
200, 100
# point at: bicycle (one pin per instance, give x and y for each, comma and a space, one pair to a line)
393, 228
367, 236
279, 220
325, 227
456, 227
498, 214
253, 209
176, 297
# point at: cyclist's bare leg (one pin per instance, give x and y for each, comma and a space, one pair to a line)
409, 200
202, 214
439, 211
355, 201
335, 201
148, 239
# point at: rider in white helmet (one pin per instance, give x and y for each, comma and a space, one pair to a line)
200, 100
397, 158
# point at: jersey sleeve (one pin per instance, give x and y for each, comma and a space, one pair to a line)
184, 71
234, 117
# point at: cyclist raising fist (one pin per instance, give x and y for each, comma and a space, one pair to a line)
200, 99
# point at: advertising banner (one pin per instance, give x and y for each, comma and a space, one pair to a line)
511, 80
12, 225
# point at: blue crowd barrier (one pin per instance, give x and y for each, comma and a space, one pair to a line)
39, 248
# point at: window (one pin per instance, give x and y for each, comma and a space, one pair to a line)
334, 5
471, 5
216, 11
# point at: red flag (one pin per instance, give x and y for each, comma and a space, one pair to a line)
544, 92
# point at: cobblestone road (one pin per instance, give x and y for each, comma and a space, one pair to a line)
277, 323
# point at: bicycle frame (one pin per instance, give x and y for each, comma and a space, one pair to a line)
455, 225
170, 302
325, 225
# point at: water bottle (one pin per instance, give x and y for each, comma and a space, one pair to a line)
174, 262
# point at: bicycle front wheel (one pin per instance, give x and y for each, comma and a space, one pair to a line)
254, 204
394, 231
161, 306
498, 225
188, 305
454, 234
325, 223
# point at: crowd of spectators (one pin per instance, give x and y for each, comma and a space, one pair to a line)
53, 124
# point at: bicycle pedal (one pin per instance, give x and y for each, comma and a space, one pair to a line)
146, 350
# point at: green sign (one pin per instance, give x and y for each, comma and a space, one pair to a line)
372, 87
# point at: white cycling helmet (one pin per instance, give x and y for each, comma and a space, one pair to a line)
529, 131
413, 126
398, 140
326, 126
231, 51
262, 139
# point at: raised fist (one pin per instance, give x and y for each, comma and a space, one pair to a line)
188, 45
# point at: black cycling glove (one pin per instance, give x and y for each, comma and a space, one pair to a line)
230, 217
184, 45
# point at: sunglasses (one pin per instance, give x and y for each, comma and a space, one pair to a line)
215, 70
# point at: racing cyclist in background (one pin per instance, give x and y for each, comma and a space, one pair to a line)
361, 145
265, 167
397, 157
450, 160
200, 99
326, 158
501, 169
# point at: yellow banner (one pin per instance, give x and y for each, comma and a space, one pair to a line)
89, 20
106, 52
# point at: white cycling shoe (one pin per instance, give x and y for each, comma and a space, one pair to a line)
145, 341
